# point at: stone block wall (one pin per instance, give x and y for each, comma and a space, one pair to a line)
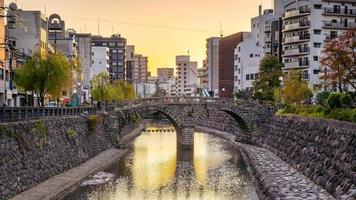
323, 150
33, 151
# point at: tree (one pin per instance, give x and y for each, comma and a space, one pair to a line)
104, 90
122, 91
270, 71
339, 61
295, 91
45, 74
101, 88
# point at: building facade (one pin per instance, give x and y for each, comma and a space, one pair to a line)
187, 77
307, 25
165, 74
130, 53
117, 54
227, 47
251, 50
139, 71
100, 60
212, 64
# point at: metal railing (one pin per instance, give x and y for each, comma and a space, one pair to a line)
9, 114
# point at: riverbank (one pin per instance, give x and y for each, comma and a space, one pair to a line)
63, 184
273, 178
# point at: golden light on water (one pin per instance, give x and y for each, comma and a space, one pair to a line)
154, 170
154, 161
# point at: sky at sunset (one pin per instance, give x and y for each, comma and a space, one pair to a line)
159, 29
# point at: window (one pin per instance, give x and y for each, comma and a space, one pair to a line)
247, 77
112, 44
114, 51
251, 55
317, 31
316, 58
104, 44
251, 76
239, 49
317, 6
317, 45
1, 74
239, 71
316, 71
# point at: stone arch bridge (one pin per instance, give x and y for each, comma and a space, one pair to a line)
184, 111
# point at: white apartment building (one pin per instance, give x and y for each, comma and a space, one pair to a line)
165, 74
212, 64
307, 25
100, 59
187, 77
169, 86
251, 50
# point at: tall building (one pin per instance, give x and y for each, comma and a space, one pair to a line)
26, 36
187, 77
3, 69
212, 64
100, 60
203, 77
252, 49
30, 33
306, 27
117, 54
227, 46
84, 43
130, 53
139, 71
165, 74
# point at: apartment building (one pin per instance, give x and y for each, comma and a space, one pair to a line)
203, 77
139, 71
3, 69
249, 52
307, 25
187, 78
100, 60
165, 74
117, 54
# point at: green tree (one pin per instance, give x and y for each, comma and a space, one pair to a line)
122, 91
270, 71
101, 88
45, 74
295, 90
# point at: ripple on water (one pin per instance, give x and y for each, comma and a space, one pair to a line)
154, 171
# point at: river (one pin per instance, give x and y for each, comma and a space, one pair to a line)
155, 169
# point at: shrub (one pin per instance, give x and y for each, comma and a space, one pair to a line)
346, 100
93, 122
322, 97
343, 115
71, 134
41, 130
334, 100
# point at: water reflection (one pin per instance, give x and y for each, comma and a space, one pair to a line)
156, 170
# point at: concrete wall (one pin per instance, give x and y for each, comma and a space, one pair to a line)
29, 154
324, 150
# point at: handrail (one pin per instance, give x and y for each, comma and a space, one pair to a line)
10, 114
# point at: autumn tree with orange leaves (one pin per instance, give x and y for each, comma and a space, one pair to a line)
338, 61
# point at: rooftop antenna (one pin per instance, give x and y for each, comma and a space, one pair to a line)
98, 26
221, 31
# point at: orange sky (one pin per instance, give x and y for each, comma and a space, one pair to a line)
133, 20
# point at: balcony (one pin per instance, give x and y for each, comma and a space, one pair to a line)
296, 65
338, 25
295, 26
329, 37
331, 11
267, 39
296, 52
296, 39
302, 11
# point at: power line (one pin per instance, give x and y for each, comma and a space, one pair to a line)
142, 25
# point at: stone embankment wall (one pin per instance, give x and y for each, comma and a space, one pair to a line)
33, 151
324, 150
